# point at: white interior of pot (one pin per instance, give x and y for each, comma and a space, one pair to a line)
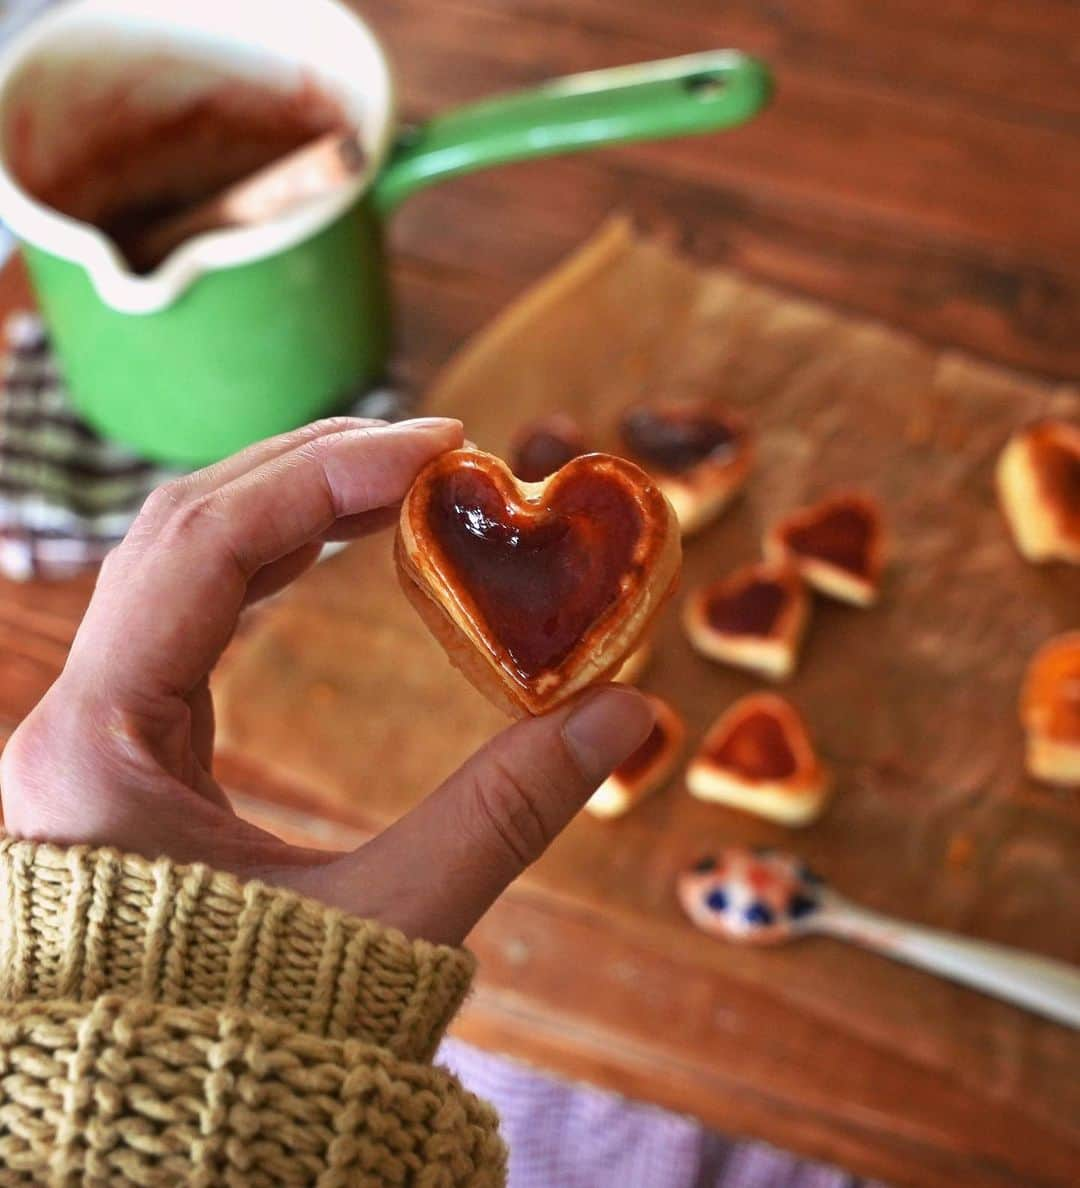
96, 65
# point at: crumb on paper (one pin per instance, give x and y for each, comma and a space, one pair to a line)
322, 693
960, 851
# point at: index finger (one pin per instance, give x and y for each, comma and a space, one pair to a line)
161, 626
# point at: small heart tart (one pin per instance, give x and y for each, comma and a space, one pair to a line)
545, 446
754, 619
838, 546
647, 769
698, 454
536, 590
758, 757
1050, 711
1038, 480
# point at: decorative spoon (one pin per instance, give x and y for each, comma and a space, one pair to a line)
765, 897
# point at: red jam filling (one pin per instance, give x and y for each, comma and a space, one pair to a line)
751, 609
676, 440
539, 579
757, 748
1052, 691
545, 448
644, 757
841, 535
1056, 456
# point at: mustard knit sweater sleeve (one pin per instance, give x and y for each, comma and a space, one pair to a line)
169, 1025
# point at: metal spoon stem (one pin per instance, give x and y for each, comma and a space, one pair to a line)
1040, 984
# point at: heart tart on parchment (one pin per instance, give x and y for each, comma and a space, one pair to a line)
544, 446
758, 757
1038, 480
536, 590
698, 453
837, 545
754, 618
1050, 711
647, 769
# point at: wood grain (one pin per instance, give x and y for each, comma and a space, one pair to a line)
913, 703
919, 165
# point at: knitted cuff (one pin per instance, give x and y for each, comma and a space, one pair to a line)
79, 922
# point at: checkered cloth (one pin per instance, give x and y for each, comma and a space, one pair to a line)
563, 1135
67, 495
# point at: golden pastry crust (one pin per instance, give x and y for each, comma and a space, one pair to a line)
753, 619
837, 545
1050, 711
452, 613
1038, 483
647, 770
758, 757
634, 666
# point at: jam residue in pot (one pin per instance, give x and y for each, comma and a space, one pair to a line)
132, 164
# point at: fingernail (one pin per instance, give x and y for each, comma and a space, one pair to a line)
607, 727
425, 423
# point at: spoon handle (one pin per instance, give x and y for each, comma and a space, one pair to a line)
1046, 987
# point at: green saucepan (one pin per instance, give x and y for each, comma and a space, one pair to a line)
247, 332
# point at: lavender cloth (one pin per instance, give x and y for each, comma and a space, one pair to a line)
563, 1135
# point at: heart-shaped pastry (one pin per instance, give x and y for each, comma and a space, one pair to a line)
536, 590
1050, 711
758, 757
698, 454
633, 667
754, 619
544, 446
647, 769
1038, 478
838, 545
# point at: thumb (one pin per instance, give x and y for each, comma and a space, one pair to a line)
436, 871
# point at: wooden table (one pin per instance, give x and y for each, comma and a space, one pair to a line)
921, 164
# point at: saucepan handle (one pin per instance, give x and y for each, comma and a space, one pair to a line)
697, 93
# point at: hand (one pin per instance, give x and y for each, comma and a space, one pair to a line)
119, 751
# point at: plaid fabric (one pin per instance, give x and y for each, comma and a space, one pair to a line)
67, 495
562, 1135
